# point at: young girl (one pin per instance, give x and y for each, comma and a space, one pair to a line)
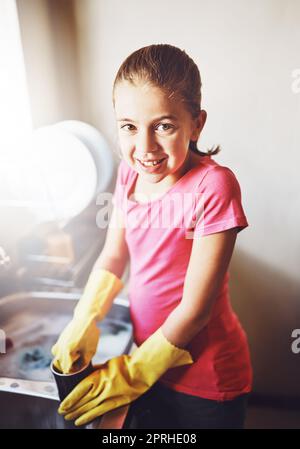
180, 212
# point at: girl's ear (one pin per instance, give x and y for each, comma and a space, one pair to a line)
199, 123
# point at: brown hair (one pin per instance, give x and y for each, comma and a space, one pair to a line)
170, 69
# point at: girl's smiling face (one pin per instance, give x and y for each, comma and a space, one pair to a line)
152, 127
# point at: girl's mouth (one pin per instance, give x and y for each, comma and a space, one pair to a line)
153, 166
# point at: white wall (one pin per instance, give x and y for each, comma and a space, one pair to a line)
49, 43
246, 52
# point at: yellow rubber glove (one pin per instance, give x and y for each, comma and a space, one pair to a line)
122, 379
78, 342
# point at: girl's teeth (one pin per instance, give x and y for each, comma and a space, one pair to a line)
151, 164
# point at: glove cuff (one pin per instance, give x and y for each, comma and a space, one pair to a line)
157, 355
98, 295
179, 356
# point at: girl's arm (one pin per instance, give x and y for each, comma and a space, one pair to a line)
115, 254
209, 261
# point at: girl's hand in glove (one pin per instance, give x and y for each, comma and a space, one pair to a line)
122, 379
78, 342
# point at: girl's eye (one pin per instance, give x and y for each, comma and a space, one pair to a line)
161, 124
166, 124
126, 125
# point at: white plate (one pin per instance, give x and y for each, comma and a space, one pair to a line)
67, 171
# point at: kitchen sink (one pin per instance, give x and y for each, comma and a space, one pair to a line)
31, 323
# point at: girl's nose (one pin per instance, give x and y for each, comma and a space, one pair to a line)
146, 144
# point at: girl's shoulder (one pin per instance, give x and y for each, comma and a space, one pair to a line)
211, 176
206, 167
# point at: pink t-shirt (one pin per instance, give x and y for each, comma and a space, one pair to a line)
159, 235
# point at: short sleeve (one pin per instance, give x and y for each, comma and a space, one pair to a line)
219, 204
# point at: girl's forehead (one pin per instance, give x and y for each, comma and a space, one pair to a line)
144, 98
